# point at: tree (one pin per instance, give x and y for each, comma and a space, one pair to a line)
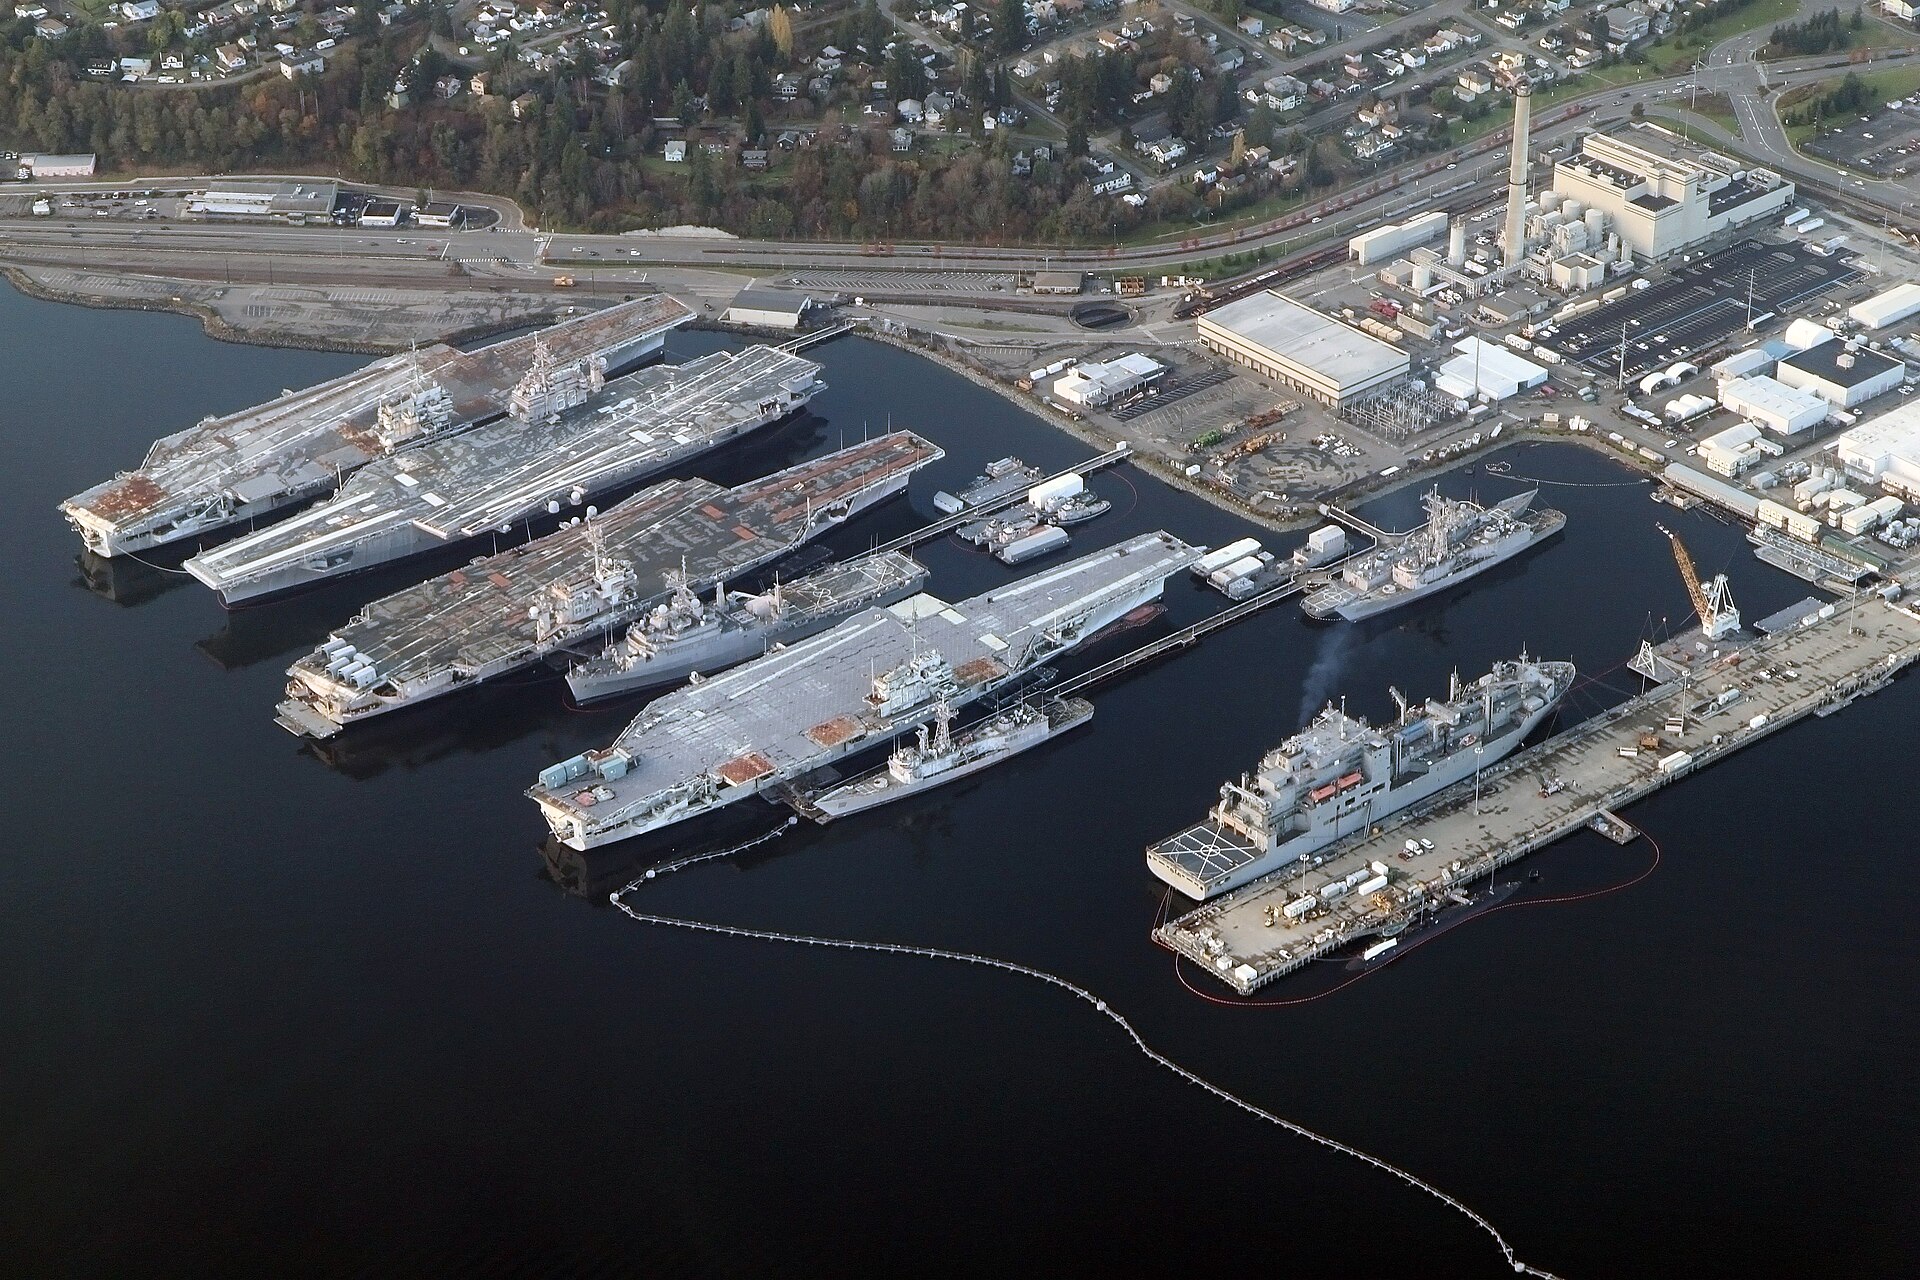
1076, 138
1010, 29
780, 27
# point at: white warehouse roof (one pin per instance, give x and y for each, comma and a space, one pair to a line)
1288, 333
1495, 371
1785, 409
1883, 309
1886, 446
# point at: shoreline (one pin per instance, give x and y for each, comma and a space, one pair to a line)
218, 327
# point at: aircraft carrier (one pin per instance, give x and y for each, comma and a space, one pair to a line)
568, 436
857, 686
248, 465
510, 610
686, 634
1340, 774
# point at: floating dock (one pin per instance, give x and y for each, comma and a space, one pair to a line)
1246, 940
248, 465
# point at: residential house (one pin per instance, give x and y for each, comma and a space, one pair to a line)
230, 57
675, 152
901, 139
753, 158
1629, 22
305, 62
1161, 82
524, 105
32, 11
1231, 58
1251, 26
478, 86
139, 10
49, 29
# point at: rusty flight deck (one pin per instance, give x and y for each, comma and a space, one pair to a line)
1245, 939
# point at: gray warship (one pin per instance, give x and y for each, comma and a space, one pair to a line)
253, 464
1459, 540
558, 593
569, 436
685, 635
1340, 775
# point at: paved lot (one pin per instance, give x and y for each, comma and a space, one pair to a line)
1700, 306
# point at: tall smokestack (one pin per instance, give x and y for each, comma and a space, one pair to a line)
1516, 238
1457, 242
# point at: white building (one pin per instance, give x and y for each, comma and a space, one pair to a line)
1487, 371
768, 309
1732, 451
1301, 349
1841, 373
1660, 203
1779, 408
140, 10
1883, 309
1884, 450
1102, 382
74, 166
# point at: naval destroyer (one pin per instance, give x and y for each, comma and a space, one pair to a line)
1339, 775
245, 466
687, 634
570, 588
569, 435
939, 756
860, 685
1459, 540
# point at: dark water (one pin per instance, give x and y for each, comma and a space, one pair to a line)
273, 1013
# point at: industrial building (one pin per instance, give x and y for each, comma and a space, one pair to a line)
1732, 451
1486, 371
1383, 243
71, 166
1841, 373
1662, 200
768, 309
1781, 409
1884, 450
1301, 349
1883, 309
265, 200
1102, 382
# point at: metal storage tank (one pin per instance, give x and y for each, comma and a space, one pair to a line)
1596, 220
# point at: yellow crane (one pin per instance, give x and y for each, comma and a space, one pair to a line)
1713, 601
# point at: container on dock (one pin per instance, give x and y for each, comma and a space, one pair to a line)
1372, 884
1676, 762
1758, 722
1299, 907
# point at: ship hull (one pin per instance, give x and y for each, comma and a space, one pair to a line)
169, 528
1456, 769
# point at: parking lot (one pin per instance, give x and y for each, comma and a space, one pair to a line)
1703, 304
1886, 144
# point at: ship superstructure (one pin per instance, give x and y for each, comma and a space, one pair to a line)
1339, 775
569, 435
686, 633
859, 685
507, 611
249, 465
1459, 540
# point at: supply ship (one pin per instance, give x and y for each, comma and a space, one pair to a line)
859, 685
568, 436
940, 756
1003, 477
1340, 775
685, 634
507, 611
1459, 540
250, 465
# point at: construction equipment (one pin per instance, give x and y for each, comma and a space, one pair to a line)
1713, 601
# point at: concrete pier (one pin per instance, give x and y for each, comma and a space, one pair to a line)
1530, 800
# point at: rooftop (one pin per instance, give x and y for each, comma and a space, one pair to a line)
1823, 361
1303, 336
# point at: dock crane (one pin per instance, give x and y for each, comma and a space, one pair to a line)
1713, 601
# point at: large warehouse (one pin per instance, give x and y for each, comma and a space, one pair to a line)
1885, 450
1840, 373
1662, 200
1487, 371
1301, 349
1781, 409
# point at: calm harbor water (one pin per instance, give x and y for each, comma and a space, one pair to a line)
273, 1010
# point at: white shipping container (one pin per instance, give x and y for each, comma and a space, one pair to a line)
1298, 907
1758, 722
1371, 884
1676, 762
